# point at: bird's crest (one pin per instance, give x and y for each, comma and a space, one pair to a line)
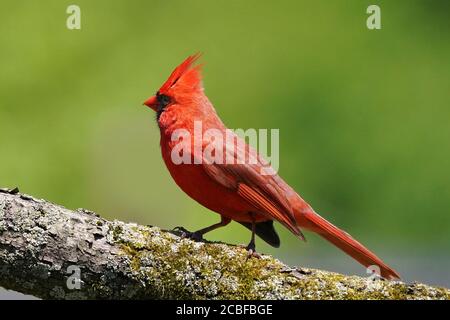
186, 73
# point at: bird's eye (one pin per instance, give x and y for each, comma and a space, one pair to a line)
163, 99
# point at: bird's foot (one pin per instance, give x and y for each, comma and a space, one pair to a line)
251, 251
196, 236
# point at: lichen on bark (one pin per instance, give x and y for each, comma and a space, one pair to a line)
40, 240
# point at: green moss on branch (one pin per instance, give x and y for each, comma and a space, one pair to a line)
118, 260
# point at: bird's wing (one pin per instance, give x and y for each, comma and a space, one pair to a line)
268, 193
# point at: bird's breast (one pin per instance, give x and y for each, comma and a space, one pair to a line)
196, 183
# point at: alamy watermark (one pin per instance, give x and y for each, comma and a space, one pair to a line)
374, 272
374, 20
74, 280
73, 21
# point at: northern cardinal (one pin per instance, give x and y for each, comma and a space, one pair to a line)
237, 191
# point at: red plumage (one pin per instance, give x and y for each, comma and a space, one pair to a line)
237, 192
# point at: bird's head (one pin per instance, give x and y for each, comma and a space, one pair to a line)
182, 86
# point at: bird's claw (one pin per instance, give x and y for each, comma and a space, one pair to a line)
251, 252
182, 229
188, 234
192, 235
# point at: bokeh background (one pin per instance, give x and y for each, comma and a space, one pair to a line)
363, 114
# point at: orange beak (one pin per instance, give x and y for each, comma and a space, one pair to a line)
152, 102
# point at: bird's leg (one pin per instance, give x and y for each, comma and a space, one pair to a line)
251, 248
198, 235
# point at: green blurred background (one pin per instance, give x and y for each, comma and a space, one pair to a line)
363, 114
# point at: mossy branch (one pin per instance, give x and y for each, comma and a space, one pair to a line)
40, 241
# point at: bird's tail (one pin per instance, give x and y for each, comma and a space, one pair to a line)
341, 239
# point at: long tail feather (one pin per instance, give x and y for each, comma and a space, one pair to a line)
346, 243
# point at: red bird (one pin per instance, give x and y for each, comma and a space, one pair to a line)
238, 191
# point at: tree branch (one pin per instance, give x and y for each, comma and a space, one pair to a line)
39, 241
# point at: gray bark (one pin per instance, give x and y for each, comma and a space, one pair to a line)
41, 241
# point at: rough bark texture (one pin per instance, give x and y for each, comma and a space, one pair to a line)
39, 241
